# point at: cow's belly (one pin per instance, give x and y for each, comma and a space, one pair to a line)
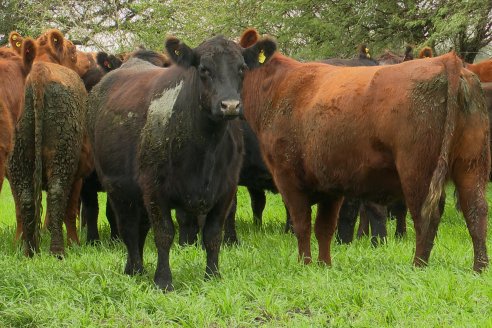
355, 168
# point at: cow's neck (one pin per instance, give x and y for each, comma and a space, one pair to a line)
259, 89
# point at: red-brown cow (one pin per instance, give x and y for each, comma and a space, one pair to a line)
329, 131
482, 69
13, 73
49, 149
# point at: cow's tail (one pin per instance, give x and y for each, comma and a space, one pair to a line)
38, 86
430, 207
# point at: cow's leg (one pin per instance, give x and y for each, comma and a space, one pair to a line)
90, 210
18, 218
57, 203
325, 226
163, 227
376, 215
363, 229
143, 230
212, 232
128, 216
71, 213
288, 221
471, 188
113, 225
399, 211
347, 219
188, 227
300, 212
258, 201
25, 213
230, 234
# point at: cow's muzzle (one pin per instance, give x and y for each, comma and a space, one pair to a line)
230, 108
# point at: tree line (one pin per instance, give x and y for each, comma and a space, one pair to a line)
304, 29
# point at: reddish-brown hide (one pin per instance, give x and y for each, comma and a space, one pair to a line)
14, 68
482, 69
55, 61
382, 133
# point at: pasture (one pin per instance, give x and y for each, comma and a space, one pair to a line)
262, 282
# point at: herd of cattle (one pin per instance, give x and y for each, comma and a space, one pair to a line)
160, 132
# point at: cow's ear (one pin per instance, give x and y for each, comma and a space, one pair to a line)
179, 52
28, 54
103, 61
248, 38
56, 42
259, 53
114, 61
15, 40
71, 51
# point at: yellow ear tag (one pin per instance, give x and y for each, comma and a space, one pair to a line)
176, 52
18, 44
367, 50
368, 55
55, 39
261, 57
14, 37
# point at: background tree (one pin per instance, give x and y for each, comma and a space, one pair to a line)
305, 29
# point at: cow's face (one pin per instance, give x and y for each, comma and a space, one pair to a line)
220, 65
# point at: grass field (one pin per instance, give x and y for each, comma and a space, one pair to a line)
262, 283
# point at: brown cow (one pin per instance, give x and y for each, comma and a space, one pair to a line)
49, 151
13, 72
482, 69
328, 131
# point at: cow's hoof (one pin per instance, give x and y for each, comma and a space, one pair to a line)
164, 284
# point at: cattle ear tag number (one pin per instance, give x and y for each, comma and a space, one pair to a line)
261, 57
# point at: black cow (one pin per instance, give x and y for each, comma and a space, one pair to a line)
91, 185
105, 63
163, 138
364, 59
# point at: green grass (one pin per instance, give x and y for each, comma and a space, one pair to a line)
262, 283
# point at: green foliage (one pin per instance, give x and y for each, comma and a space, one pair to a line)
262, 282
305, 29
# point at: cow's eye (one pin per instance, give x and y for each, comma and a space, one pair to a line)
205, 72
242, 69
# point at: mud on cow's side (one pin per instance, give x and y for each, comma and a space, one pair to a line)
51, 147
328, 131
163, 138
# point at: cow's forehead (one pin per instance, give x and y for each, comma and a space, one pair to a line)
219, 47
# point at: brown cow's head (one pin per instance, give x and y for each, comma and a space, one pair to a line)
25, 48
54, 48
220, 65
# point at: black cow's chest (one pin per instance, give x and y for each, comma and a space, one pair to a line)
200, 176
